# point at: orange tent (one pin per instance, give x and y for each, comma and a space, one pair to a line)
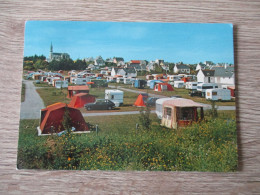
163, 87
141, 100
80, 99
52, 116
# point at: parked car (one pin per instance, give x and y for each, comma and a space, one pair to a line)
151, 101
100, 104
195, 93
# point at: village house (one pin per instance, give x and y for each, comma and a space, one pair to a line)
181, 68
206, 76
139, 65
200, 67
150, 66
119, 60
125, 72
99, 61
224, 75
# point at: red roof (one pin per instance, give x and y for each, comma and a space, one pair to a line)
135, 61
75, 88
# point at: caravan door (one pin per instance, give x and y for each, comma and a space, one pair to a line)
167, 117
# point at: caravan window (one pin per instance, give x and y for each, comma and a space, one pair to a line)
167, 112
207, 87
112, 97
214, 93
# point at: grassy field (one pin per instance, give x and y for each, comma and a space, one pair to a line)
180, 92
42, 84
53, 95
23, 93
209, 146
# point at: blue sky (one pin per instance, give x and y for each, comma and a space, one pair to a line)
173, 42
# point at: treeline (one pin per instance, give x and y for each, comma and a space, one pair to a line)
39, 62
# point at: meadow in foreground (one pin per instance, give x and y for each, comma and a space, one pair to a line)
207, 146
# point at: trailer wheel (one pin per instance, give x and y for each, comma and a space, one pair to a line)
88, 108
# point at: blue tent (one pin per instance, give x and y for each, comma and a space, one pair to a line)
153, 83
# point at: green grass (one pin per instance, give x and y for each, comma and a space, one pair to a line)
208, 146
42, 84
53, 95
23, 92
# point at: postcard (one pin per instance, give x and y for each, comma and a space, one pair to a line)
128, 96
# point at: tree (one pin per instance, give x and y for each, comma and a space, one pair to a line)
144, 118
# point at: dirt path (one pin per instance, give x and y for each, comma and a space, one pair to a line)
30, 108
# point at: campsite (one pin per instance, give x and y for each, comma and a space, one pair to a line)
149, 141
102, 100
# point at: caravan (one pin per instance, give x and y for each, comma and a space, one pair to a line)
81, 81
178, 84
191, 85
218, 94
116, 96
61, 84
129, 81
202, 87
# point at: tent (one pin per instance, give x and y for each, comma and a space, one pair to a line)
52, 118
80, 99
141, 100
154, 82
73, 90
180, 112
163, 87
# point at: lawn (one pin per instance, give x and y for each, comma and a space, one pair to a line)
42, 84
208, 146
53, 95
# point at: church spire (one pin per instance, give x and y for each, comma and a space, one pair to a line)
51, 50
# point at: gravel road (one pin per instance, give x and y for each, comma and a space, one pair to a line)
30, 108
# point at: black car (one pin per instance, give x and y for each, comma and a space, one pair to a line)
195, 93
100, 104
151, 101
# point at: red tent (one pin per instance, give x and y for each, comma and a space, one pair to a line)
80, 99
163, 87
72, 90
53, 116
141, 99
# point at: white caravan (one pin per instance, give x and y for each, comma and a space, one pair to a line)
191, 85
204, 86
178, 84
114, 95
81, 81
218, 94
129, 80
61, 84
